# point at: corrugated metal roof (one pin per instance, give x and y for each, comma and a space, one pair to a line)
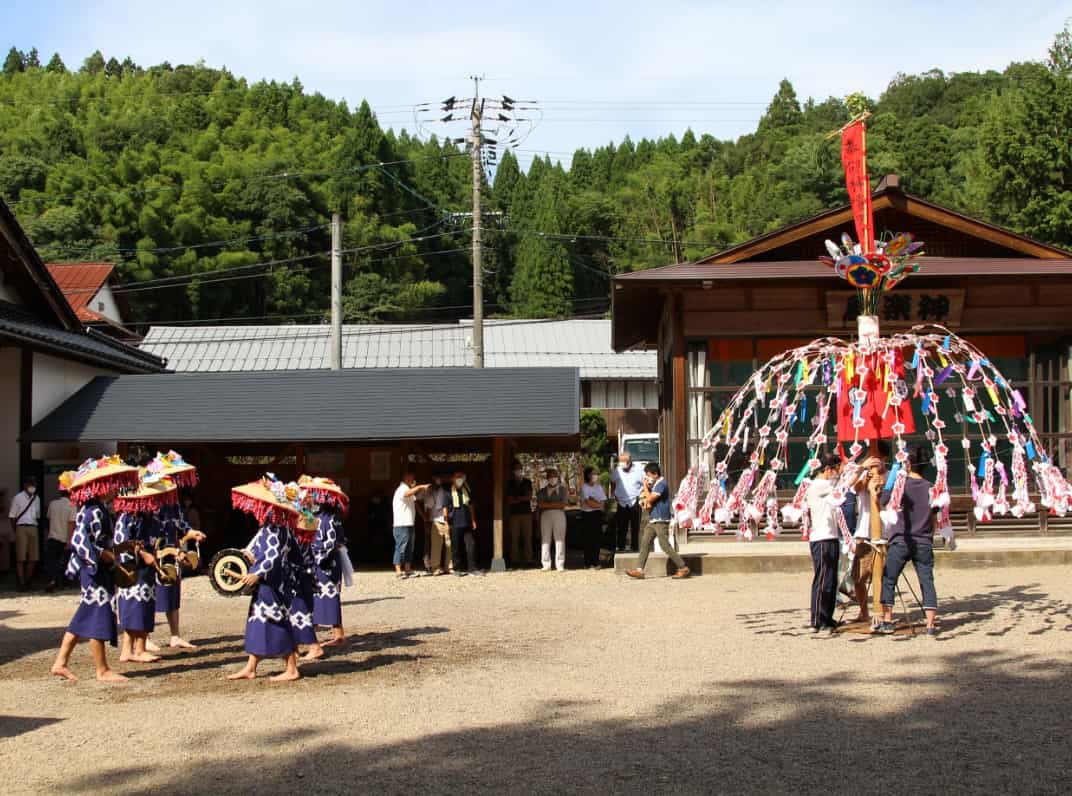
581, 344
809, 269
320, 405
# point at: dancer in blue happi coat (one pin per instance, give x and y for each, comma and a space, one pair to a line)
327, 561
301, 566
328, 550
177, 532
268, 625
95, 483
139, 521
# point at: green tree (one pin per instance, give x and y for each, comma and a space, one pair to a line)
14, 63
55, 65
542, 286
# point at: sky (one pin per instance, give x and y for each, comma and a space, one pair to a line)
599, 70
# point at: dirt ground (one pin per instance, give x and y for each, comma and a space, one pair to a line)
563, 682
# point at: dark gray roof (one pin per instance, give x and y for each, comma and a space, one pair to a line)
21, 325
319, 405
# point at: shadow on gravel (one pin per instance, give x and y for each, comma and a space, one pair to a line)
1008, 608
10, 726
990, 723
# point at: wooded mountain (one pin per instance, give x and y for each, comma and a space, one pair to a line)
192, 180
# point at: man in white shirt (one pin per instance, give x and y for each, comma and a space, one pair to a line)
25, 515
626, 481
404, 506
60, 529
824, 545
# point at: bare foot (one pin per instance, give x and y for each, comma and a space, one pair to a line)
181, 644
284, 677
244, 674
62, 671
312, 654
126, 657
151, 646
108, 676
335, 642
144, 657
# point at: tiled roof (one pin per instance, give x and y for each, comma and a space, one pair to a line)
17, 323
80, 282
581, 344
320, 405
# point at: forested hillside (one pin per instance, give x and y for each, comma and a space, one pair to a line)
193, 179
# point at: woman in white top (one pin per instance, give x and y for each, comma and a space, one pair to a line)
593, 501
824, 545
552, 500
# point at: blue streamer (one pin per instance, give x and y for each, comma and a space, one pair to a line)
915, 359
892, 476
1030, 449
982, 463
926, 407
945, 343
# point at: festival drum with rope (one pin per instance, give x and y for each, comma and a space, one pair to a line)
227, 570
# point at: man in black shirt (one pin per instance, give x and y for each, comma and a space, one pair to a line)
519, 522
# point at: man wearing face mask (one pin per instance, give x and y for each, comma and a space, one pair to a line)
25, 514
626, 481
462, 518
552, 500
519, 527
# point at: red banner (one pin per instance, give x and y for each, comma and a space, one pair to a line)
854, 161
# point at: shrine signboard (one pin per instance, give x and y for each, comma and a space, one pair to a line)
899, 308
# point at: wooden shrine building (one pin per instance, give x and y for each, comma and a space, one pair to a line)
716, 320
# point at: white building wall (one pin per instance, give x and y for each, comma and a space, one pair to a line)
54, 381
104, 303
10, 384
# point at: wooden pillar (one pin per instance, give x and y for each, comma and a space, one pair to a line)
679, 450
25, 412
498, 462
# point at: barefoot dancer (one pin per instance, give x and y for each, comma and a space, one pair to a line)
333, 505
138, 521
268, 629
300, 563
95, 482
177, 531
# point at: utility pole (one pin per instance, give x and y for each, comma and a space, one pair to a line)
478, 276
336, 291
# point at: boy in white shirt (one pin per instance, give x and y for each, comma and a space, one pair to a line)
824, 546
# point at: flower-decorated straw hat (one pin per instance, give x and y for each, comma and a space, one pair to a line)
171, 465
269, 500
151, 496
96, 477
325, 492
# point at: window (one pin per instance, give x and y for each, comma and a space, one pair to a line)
623, 394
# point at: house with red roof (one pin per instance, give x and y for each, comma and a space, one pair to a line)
88, 289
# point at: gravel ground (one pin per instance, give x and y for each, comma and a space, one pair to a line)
551, 682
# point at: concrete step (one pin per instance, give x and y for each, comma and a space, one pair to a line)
728, 557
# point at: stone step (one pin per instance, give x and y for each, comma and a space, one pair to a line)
759, 557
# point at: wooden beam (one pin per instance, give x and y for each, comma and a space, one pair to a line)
679, 446
498, 464
984, 231
791, 234
25, 411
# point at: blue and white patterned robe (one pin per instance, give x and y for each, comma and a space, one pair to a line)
268, 631
137, 604
300, 565
327, 600
173, 527
92, 532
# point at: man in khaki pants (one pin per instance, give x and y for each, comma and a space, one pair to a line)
25, 515
441, 547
